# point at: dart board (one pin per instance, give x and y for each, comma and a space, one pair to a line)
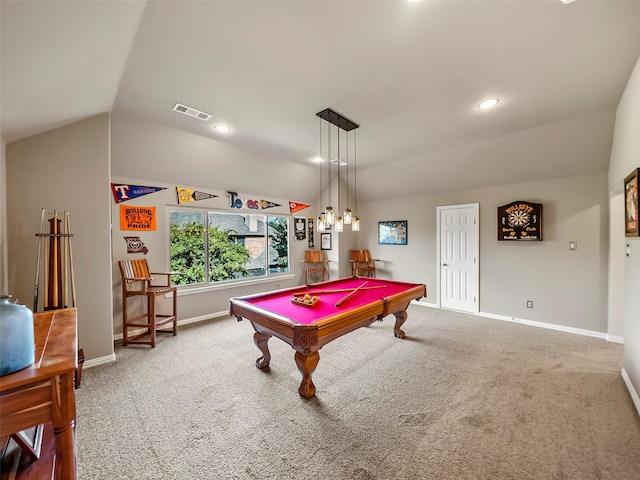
520, 220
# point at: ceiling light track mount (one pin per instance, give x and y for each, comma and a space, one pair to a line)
338, 120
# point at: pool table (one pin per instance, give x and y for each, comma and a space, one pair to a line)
340, 307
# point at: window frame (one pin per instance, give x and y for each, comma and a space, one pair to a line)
231, 283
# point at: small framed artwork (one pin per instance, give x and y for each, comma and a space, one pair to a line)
392, 232
631, 204
325, 241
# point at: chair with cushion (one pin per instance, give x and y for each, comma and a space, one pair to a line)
315, 263
136, 281
362, 265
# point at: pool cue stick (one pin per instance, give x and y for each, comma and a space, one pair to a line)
55, 272
337, 290
343, 299
73, 283
65, 273
45, 272
40, 240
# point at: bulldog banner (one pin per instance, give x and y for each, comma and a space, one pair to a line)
137, 218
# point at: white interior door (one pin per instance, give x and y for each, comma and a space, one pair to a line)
458, 229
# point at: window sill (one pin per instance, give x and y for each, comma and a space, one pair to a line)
185, 290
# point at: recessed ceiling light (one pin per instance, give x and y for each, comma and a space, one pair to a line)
340, 163
317, 159
491, 102
222, 128
567, 2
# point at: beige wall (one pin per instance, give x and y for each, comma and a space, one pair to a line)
625, 156
569, 288
66, 169
197, 303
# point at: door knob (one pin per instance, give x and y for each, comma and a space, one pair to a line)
445, 265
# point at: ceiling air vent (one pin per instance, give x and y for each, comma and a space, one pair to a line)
192, 112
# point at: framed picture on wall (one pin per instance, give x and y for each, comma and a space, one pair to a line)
631, 204
325, 241
392, 232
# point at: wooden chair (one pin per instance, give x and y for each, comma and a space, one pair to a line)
362, 265
136, 281
315, 263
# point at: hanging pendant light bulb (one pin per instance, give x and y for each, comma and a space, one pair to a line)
330, 216
347, 210
355, 223
321, 218
339, 224
347, 216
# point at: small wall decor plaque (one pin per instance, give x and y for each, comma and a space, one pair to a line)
631, 204
520, 220
325, 241
301, 228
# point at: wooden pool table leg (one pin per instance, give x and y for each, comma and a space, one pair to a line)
261, 339
400, 319
307, 365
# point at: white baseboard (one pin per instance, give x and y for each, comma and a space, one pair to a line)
632, 390
184, 321
424, 304
551, 326
615, 339
94, 362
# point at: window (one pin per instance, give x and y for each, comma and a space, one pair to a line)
214, 247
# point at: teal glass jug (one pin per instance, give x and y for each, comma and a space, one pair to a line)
17, 345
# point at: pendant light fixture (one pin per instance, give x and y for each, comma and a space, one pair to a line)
321, 218
339, 224
347, 210
355, 222
328, 217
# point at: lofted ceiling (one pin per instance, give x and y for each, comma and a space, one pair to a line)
410, 73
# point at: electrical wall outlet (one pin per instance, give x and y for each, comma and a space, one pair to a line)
529, 303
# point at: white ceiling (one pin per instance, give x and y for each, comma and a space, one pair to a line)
410, 73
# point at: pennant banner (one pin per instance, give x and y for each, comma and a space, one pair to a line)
249, 203
137, 218
264, 204
122, 193
295, 207
186, 195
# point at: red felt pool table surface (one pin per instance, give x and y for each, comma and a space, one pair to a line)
360, 302
279, 302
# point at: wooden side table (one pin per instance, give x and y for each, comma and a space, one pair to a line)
44, 392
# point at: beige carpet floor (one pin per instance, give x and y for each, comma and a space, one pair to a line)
462, 397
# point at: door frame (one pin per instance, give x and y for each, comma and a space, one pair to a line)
476, 209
